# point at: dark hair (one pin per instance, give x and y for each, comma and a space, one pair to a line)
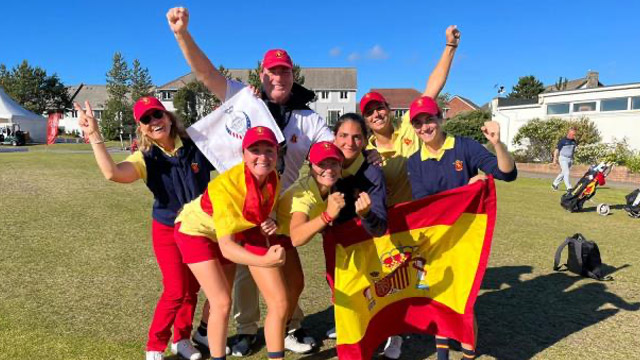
351, 117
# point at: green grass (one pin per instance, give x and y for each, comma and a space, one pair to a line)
79, 279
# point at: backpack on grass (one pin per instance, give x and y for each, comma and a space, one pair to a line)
584, 258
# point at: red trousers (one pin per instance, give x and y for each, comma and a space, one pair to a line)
177, 303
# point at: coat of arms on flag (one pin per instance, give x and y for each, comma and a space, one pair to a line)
423, 276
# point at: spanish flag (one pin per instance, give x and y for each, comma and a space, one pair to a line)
423, 276
239, 203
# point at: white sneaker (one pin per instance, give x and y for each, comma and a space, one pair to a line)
331, 333
393, 348
292, 343
185, 349
154, 355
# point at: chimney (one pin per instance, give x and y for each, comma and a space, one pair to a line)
592, 79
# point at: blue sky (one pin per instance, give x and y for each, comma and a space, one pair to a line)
392, 44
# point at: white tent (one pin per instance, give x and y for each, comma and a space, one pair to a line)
12, 113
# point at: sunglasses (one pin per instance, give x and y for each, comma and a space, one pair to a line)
158, 114
378, 108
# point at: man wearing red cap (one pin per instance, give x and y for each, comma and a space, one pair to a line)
301, 127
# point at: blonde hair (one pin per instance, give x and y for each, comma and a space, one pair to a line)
177, 129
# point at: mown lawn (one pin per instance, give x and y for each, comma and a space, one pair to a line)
79, 279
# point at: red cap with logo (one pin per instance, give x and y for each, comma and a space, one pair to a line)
424, 105
276, 57
146, 104
369, 97
324, 150
257, 134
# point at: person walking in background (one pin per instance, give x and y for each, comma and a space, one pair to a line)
563, 155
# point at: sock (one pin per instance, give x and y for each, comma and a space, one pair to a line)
275, 354
202, 329
468, 354
219, 358
442, 349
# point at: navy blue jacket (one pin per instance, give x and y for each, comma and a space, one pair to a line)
456, 167
175, 180
369, 179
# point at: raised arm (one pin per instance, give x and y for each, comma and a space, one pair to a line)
124, 172
201, 66
438, 77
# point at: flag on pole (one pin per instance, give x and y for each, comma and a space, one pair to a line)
52, 127
423, 276
219, 135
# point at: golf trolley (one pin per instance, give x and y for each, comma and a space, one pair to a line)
585, 189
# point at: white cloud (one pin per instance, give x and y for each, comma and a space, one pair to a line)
377, 53
354, 56
336, 51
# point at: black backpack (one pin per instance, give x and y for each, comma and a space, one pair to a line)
584, 258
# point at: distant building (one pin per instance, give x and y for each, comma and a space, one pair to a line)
335, 89
614, 109
97, 97
456, 105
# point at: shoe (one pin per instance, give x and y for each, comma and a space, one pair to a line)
393, 348
186, 349
154, 355
292, 343
554, 187
302, 336
203, 341
243, 345
331, 333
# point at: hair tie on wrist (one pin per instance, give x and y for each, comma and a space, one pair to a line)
452, 45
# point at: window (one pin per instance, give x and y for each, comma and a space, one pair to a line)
613, 104
167, 95
73, 113
344, 95
635, 103
398, 113
553, 109
332, 117
97, 114
323, 95
585, 106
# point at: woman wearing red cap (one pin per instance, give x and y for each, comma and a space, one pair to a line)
445, 162
235, 225
176, 172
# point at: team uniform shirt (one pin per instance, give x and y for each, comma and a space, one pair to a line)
137, 158
303, 196
303, 127
567, 147
196, 218
239, 203
359, 177
394, 161
453, 166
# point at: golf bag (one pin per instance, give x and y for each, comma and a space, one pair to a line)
586, 187
583, 259
633, 204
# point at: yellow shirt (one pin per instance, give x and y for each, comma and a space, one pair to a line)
354, 167
195, 221
137, 159
449, 143
303, 196
394, 161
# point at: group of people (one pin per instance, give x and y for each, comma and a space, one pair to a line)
238, 233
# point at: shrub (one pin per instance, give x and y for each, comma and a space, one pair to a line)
633, 163
540, 137
617, 152
468, 124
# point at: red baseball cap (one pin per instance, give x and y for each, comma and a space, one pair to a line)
276, 57
324, 150
146, 104
257, 134
424, 105
369, 97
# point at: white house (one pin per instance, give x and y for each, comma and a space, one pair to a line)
97, 97
335, 89
614, 109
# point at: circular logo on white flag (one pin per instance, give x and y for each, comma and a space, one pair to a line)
237, 123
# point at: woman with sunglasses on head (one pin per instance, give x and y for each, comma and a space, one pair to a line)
176, 172
396, 145
445, 162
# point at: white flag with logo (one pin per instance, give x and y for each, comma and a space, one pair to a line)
219, 135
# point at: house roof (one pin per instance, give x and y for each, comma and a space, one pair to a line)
314, 78
399, 98
571, 85
515, 101
95, 94
467, 101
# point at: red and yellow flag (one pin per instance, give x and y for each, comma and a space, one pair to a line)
423, 276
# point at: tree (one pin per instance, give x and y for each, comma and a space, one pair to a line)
468, 124
141, 84
561, 84
255, 81
117, 116
33, 89
528, 87
194, 101
443, 99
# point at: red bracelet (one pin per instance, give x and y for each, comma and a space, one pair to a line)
326, 218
